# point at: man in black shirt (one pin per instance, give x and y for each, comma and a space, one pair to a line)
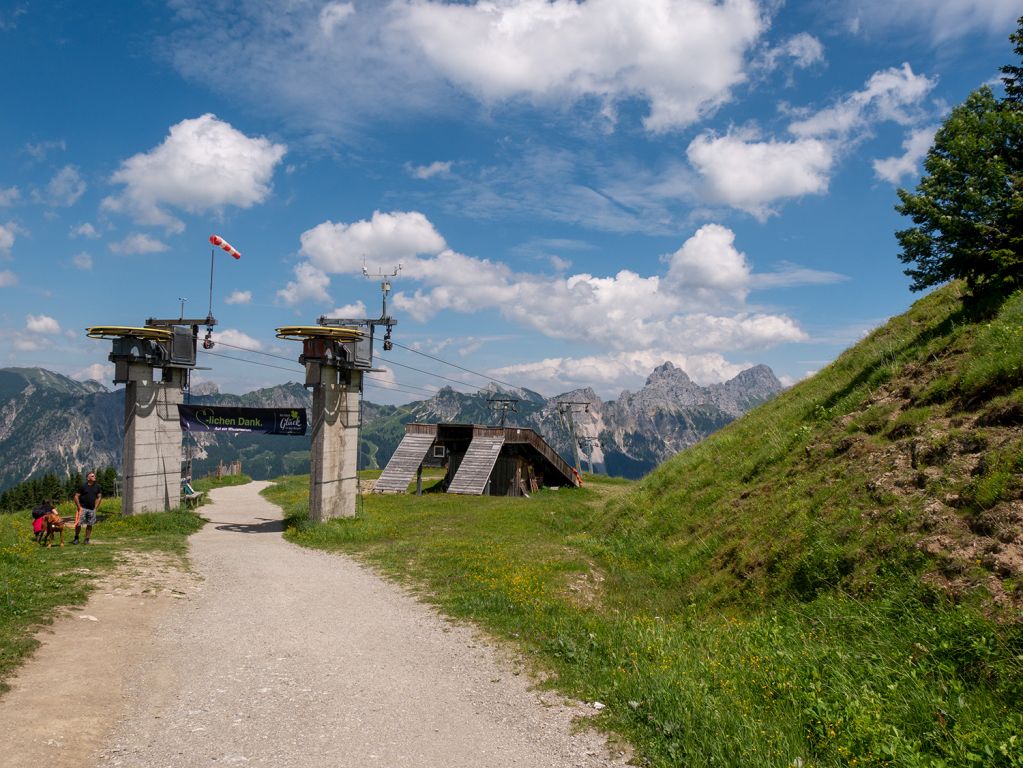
87, 501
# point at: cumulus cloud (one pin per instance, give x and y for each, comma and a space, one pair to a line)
41, 324
7, 238
915, 146
64, 189
82, 260
101, 372
893, 94
743, 170
751, 175
39, 150
85, 230
382, 242
682, 57
310, 283
356, 309
232, 337
203, 165
239, 297
138, 244
803, 50
436, 168
9, 196
8, 279
698, 304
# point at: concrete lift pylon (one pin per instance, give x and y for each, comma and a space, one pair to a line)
153, 362
336, 352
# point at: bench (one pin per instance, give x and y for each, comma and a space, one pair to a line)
191, 496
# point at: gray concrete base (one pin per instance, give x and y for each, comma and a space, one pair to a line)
152, 440
334, 459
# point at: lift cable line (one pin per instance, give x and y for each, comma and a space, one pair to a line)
384, 383
459, 367
289, 359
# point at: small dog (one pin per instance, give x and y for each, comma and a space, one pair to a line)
53, 523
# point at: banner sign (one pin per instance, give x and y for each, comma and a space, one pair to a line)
221, 418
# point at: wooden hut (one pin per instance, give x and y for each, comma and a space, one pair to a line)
480, 460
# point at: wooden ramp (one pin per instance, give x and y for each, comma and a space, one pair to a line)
477, 464
402, 467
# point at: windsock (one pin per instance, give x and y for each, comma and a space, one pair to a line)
220, 242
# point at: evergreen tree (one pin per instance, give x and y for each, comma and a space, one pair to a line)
968, 208
1012, 75
967, 205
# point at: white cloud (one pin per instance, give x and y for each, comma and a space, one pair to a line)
916, 145
9, 196
64, 189
436, 168
309, 283
203, 165
697, 307
889, 95
331, 68
750, 175
138, 244
232, 337
239, 297
383, 242
85, 230
101, 372
82, 260
944, 20
8, 279
683, 56
334, 15
41, 324
803, 50
708, 267
357, 309
28, 344
7, 238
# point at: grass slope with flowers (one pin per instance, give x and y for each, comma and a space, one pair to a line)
833, 580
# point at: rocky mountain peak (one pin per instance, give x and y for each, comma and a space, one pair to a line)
667, 372
205, 388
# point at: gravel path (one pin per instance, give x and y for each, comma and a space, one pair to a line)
282, 656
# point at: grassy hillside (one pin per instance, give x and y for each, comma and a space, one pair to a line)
833, 580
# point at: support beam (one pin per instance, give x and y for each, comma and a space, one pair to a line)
152, 439
333, 476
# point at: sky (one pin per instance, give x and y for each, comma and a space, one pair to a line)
576, 191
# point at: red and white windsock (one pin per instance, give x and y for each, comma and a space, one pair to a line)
220, 242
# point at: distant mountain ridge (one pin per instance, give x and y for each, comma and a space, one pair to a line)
52, 423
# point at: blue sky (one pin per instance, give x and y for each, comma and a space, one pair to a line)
576, 191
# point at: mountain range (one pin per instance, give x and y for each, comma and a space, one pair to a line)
51, 423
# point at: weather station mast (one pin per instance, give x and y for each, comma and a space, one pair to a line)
336, 352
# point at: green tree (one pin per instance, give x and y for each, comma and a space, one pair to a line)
966, 209
1012, 75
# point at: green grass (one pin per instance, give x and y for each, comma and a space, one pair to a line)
761, 599
36, 582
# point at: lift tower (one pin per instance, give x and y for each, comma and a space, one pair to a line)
336, 353
153, 362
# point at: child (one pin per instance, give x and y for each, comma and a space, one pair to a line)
42, 509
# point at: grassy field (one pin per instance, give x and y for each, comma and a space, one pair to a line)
36, 582
816, 585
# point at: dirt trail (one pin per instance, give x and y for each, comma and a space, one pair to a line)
280, 656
